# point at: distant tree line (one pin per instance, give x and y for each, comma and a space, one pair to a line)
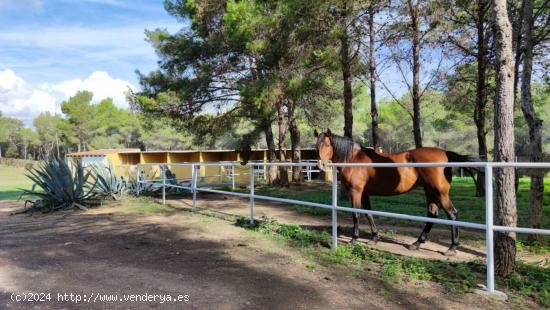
447, 124
86, 126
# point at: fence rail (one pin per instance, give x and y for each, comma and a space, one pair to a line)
488, 226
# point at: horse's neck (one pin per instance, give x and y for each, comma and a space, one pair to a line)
354, 154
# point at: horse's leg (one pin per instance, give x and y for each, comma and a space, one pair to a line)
452, 214
356, 202
365, 202
432, 213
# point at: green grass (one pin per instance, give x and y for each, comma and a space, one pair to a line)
529, 280
471, 208
11, 179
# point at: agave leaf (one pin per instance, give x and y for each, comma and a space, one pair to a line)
106, 183
81, 207
60, 186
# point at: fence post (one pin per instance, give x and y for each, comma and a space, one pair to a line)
489, 228
163, 171
138, 176
194, 185
233, 176
251, 194
334, 204
264, 173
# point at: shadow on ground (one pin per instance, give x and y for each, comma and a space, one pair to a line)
216, 264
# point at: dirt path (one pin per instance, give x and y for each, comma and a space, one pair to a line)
393, 239
218, 265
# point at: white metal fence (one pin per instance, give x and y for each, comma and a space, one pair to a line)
488, 167
128, 171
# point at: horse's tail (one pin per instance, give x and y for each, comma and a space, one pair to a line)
454, 157
458, 158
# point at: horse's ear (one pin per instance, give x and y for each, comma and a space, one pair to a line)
329, 133
315, 133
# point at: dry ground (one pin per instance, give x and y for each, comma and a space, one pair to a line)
394, 239
218, 265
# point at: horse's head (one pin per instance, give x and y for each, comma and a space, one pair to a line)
324, 147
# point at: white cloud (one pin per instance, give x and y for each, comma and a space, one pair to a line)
21, 99
8, 80
24, 100
100, 84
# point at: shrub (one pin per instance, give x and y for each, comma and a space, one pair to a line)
15, 162
60, 187
107, 183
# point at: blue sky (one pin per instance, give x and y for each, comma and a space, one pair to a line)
56, 40
49, 49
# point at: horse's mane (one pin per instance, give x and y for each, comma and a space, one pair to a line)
343, 147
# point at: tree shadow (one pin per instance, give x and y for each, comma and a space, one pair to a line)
103, 253
113, 254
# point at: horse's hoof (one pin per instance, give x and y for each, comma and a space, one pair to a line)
374, 239
415, 246
450, 252
353, 241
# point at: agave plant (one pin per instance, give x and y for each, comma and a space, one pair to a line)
154, 188
106, 182
145, 189
60, 187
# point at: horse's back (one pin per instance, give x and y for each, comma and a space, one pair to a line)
427, 155
418, 155
394, 181
390, 181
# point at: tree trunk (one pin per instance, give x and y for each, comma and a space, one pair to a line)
533, 122
346, 74
519, 50
57, 144
413, 10
0, 150
481, 93
297, 175
273, 177
283, 175
372, 72
25, 151
506, 213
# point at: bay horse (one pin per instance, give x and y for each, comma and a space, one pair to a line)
363, 182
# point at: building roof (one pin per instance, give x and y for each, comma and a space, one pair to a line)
105, 152
102, 152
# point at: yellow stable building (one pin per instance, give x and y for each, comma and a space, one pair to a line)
125, 161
